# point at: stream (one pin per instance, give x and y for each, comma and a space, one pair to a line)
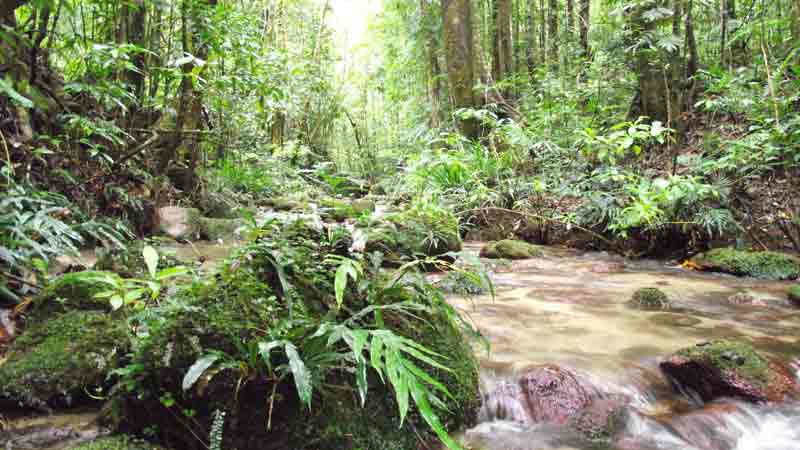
568, 308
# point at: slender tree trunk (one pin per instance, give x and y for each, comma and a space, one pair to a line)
796, 24
501, 44
543, 33
570, 18
458, 47
553, 34
138, 37
531, 41
723, 31
585, 18
434, 71
691, 43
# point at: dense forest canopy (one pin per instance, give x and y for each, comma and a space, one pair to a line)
337, 151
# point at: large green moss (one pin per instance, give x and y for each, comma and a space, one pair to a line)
58, 361
765, 265
119, 442
510, 249
738, 357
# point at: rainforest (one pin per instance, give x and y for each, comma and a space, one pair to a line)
400, 224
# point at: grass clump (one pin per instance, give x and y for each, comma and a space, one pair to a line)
650, 299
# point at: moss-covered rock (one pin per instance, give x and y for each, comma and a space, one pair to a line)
339, 210
178, 223
510, 249
252, 299
216, 229
765, 265
283, 204
70, 292
650, 299
57, 362
727, 369
119, 442
794, 294
414, 233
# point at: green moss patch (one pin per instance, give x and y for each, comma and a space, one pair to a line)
340, 210
58, 361
69, 292
510, 249
737, 357
650, 299
765, 265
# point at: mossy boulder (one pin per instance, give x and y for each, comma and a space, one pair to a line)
510, 249
283, 204
178, 223
726, 368
55, 363
217, 229
119, 442
272, 290
764, 265
340, 210
794, 295
651, 299
410, 234
70, 292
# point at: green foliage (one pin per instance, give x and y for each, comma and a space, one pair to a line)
40, 224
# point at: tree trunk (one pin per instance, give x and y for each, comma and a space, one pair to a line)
553, 34
458, 47
531, 44
585, 17
501, 44
723, 31
137, 37
186, 141
431, 49
542, 33
691, 43
570, 18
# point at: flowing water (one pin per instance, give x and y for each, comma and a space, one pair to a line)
569, 308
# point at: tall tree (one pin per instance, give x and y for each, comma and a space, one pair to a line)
185, 145
570, 18
502, 61
584, 17
553, 33
531, 41
458, 48
434, 71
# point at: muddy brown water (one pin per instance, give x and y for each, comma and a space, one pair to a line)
570, 308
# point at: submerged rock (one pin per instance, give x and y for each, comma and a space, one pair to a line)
723, 368
544, 394
58, 362
650, 299
602, 420
510, 249
765, 265
794, 295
